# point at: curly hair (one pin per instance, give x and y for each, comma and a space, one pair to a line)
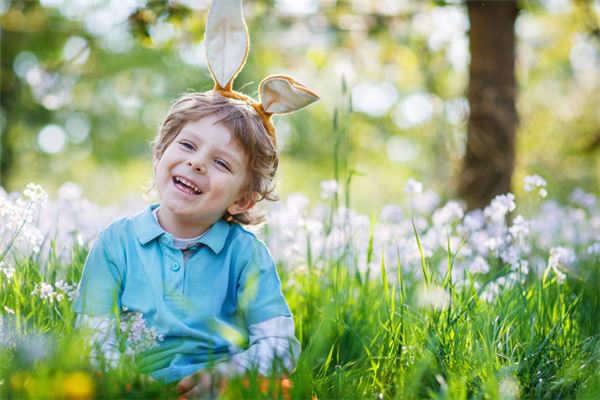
247, 128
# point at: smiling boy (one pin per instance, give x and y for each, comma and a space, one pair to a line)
186, 263
201, 176
207, 286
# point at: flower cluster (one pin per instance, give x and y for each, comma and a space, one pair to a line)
480, 240
19, 215
57, 292
560, 257
329, 189
138, 336
70, 220
6, 273
536, 183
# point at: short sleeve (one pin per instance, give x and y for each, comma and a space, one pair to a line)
259, 289
101, 283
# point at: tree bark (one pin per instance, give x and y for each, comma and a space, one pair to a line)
490, 152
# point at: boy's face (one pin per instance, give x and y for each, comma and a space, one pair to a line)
201, 174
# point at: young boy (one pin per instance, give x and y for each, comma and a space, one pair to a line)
200, 280
187, 264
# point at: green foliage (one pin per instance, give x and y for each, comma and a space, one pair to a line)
124, 88
360, 337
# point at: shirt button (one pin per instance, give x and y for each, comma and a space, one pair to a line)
175, 267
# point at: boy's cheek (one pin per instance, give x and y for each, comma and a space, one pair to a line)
155, 160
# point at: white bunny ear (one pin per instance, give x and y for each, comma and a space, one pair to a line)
226, 41
280, 94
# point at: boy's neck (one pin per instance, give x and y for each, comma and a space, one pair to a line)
179, 227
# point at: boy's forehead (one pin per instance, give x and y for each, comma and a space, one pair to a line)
210, 129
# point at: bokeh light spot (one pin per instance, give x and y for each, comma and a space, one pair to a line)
76, 50
24, 62
401, 149
413, 110
78, 127
374, 98
52, 139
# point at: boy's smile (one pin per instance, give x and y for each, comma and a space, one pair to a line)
200, 176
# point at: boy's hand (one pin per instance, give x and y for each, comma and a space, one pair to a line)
202, 384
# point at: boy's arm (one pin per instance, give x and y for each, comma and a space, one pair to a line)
101, 282
273, 348
102, 339
99, 298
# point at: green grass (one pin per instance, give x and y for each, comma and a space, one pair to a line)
362, 337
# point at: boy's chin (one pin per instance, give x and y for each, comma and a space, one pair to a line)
189, 212
178, 208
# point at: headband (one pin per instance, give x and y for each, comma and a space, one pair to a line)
227, 43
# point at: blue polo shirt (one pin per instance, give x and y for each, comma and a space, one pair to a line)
200, 307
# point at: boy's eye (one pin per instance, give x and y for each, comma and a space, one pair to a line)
222, 164
187, 145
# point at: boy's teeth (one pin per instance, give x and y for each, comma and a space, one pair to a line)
188, 184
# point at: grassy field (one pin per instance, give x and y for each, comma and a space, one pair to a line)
415, 302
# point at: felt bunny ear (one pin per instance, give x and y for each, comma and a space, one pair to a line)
280, 94
227, 41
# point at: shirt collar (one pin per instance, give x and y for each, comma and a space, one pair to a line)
147, 229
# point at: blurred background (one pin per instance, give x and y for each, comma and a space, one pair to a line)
86, 84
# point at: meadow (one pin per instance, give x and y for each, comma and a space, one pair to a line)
421, 300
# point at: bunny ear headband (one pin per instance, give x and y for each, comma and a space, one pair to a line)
227, 44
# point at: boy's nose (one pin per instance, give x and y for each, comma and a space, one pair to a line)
197, 166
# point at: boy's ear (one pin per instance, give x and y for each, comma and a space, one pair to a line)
244, 203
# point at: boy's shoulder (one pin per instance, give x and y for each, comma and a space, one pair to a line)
240, 235
244, 246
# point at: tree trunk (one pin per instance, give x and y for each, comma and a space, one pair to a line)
490, 153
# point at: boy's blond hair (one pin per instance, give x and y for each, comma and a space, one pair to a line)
247, 128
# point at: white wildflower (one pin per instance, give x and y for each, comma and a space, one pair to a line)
493, 289
36, 194
452, 212
139, 336
297, 203
493, 244
583, 199
313, 226
391, 213
329, 189
9, 310
510, 255
473, 221
44, 291
594, 248
479, 266
520, 228
424, 203
509, 388
500, 205
490, 292
434, 297
7, 270
560, 257
536, 182
408, 354
30, 239
70, 191
413, 187
522, 266
63, 288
